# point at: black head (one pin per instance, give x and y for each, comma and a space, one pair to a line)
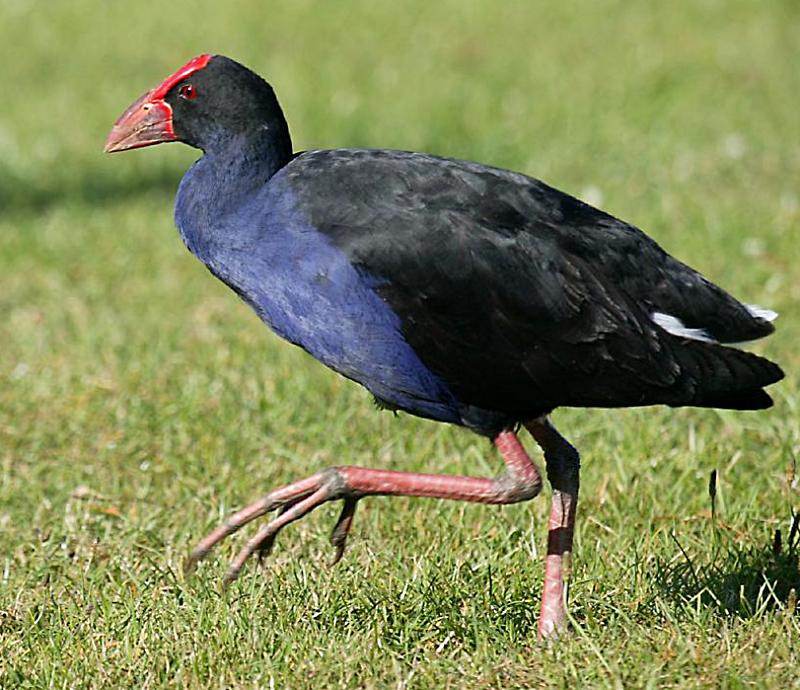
224, 99
209, 102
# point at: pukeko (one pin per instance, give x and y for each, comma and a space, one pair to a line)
450, 290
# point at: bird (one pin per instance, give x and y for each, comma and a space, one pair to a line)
450, 290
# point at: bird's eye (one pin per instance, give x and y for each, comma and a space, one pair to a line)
187, 92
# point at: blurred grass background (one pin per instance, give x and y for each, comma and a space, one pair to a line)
140, 401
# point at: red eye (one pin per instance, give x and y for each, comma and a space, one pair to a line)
187, 91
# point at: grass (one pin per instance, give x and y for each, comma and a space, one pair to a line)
140, 402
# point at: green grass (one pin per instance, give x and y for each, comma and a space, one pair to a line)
140, 401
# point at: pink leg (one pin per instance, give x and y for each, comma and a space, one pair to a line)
563, 468
520, 482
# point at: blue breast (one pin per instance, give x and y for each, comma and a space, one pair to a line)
308, 292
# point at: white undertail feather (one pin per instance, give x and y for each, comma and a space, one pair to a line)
761, 312
674, 325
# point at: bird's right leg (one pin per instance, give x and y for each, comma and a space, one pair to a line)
563, 472
520, 482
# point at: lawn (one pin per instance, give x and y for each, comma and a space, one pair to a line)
141, 402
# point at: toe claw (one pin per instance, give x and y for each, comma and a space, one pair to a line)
337, 555
266, 549
192, 560
342, 528
189, 565
230, 577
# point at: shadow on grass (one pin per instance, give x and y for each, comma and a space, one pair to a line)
19, 197
735, 580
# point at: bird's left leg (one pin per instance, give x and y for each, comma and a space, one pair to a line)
520, 482
563, 473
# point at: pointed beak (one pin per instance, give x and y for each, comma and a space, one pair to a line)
146, 122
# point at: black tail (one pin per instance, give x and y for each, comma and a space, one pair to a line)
727, 378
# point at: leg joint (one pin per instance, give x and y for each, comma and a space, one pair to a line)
561, 457
334, 480
515, 488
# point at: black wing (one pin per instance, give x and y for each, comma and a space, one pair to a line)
523, 298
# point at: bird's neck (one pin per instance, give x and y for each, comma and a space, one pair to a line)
237, 163
232, 170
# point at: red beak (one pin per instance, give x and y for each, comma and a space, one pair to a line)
148, 121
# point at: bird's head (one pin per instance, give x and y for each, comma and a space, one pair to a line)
210, 99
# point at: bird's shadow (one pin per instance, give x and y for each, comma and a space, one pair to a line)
735, 580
